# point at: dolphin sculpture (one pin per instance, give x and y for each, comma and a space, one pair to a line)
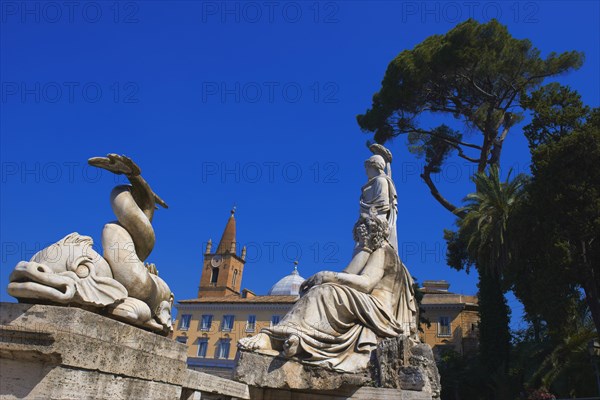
71, 272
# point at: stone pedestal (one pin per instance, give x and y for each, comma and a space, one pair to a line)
398, 370
69, 353
398, 363
274, 372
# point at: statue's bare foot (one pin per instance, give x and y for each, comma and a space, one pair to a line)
291, 346
262, 341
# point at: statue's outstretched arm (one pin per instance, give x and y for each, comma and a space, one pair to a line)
358, 262
371, 274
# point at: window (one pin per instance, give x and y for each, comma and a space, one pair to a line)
251, 324
181, 339
234, 280
202, 347
444, 326
214, 277
206, 322
227, 324
223, 348
184, 324
474, 330
274, 320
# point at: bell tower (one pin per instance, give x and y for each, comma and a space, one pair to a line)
222, 270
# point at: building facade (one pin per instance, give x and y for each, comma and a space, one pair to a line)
211, 327
212, 323
454, 319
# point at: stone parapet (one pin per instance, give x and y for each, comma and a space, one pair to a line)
70, 353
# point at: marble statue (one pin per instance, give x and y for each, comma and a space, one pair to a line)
379, 196
340, 316
71, 272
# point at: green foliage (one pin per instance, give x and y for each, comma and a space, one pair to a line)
537, 273
564, 206
568, 366
557, 110
434, 147
556, 249
457, 254
564, 368
481, 240
423, 320
486, 220
567, 179
475, 73
461, 376
472, 71
481, 237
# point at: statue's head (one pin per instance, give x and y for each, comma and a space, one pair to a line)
68, 272
371, 232
374, 165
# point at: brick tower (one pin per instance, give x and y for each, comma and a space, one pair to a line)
222, 270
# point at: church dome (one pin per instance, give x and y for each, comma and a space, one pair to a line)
288, 285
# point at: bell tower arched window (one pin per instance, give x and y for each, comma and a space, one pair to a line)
234, 280
215, 276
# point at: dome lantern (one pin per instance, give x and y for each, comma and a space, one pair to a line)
289, 285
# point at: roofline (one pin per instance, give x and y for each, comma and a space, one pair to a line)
233, 306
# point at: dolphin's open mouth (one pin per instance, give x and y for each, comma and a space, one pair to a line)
19, 283
31, 280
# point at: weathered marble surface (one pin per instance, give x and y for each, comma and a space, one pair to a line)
277, 372
70, 272
32, 380
398, 365
69, 353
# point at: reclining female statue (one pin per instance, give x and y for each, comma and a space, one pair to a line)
340, 315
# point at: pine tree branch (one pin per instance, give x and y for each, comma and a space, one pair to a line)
426, 176
466, 157
445, 138
476, 86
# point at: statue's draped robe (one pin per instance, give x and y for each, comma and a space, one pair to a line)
338, 326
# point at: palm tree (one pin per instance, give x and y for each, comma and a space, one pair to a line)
487, 214
483, 234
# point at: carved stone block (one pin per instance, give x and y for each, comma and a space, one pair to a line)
397, 363
276, 372
70, 353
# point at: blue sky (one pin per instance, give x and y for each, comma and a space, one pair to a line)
250, 104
